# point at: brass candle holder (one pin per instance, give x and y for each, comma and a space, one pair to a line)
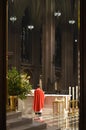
77, 101
73, 107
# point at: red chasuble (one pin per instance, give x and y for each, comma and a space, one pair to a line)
38, 100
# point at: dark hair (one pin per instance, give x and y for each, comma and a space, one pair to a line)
38, 85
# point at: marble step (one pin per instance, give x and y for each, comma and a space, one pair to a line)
59, 122
12, 123
15, 121
33, 126
13, 115
52, 128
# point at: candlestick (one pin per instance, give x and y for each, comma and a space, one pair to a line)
69, 90
76, 92
55, 85
73, 93
40, 82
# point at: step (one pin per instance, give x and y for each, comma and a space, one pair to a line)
52, 128
13, 115
7, 126
19, 122
33, 126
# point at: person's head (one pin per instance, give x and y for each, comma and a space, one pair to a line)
38, 85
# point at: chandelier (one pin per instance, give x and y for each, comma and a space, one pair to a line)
57, 14
30, 27
13, 18
71, 21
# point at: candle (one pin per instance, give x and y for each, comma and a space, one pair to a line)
76, 92
55, 85
40, 82
69, 90
73, 93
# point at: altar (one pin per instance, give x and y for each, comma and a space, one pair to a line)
26, 105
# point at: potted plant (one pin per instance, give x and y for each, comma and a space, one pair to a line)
18, 86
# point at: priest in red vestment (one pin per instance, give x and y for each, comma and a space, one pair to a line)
38, 100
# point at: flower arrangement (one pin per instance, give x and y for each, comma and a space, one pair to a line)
25, 85
18, 84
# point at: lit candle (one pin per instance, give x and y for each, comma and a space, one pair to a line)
76, 92
73, 93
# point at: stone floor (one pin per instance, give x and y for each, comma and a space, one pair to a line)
59, 121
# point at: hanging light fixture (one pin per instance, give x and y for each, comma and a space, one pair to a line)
57, 14
13, 18
30, 22
30, 27
71, 21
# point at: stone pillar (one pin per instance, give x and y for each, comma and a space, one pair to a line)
67, 57
48, 68
14, 45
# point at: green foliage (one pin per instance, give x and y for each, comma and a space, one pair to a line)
18, 84
14, 82
25, 85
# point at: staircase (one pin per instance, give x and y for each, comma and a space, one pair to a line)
15, 121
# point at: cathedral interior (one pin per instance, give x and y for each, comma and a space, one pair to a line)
43, 41
46, 39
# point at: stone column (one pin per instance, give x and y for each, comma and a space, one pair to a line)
67, 57
48, 42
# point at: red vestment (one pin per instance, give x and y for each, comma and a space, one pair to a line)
38, 100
